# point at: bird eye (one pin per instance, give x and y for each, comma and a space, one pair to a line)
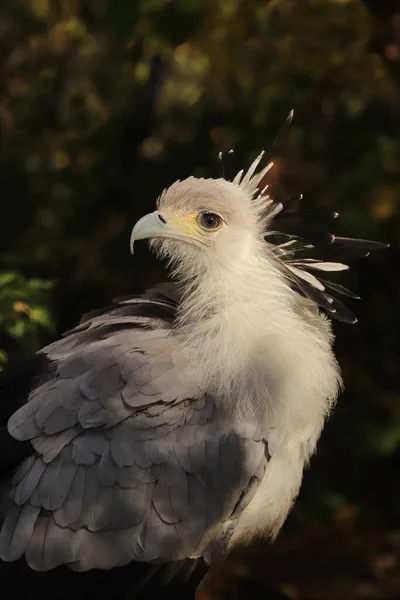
209, 220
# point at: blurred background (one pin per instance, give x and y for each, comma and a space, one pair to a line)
103, 103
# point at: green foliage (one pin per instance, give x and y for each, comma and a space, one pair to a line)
24, 310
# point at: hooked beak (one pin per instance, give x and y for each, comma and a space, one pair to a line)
156, 225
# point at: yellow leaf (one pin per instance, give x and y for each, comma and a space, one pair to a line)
21, 307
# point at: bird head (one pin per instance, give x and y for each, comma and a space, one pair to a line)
201, 223
214, 224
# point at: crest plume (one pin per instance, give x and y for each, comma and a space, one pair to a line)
291, 232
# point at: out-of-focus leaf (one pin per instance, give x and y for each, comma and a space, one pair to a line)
42, 317
17, 329
6, 278
3, 358
23, 308
41, 284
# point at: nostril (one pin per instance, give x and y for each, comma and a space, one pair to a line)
162, 218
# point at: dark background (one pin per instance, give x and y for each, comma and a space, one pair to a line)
103, 103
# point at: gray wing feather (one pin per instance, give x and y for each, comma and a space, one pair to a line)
48, 484
73, 504
82, 451
107, 469
29, 481
49, 546
17, 531
50, 446
63, 484
22, 470
132, 461
170, 496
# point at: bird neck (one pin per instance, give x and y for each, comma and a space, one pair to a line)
254, 345
226, 315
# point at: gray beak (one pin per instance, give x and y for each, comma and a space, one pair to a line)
152, 225
156, 225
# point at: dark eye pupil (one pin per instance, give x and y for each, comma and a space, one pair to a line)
210, 220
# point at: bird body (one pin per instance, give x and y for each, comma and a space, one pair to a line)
163, 470
177, 424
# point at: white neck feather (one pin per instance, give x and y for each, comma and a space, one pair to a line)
258, 347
